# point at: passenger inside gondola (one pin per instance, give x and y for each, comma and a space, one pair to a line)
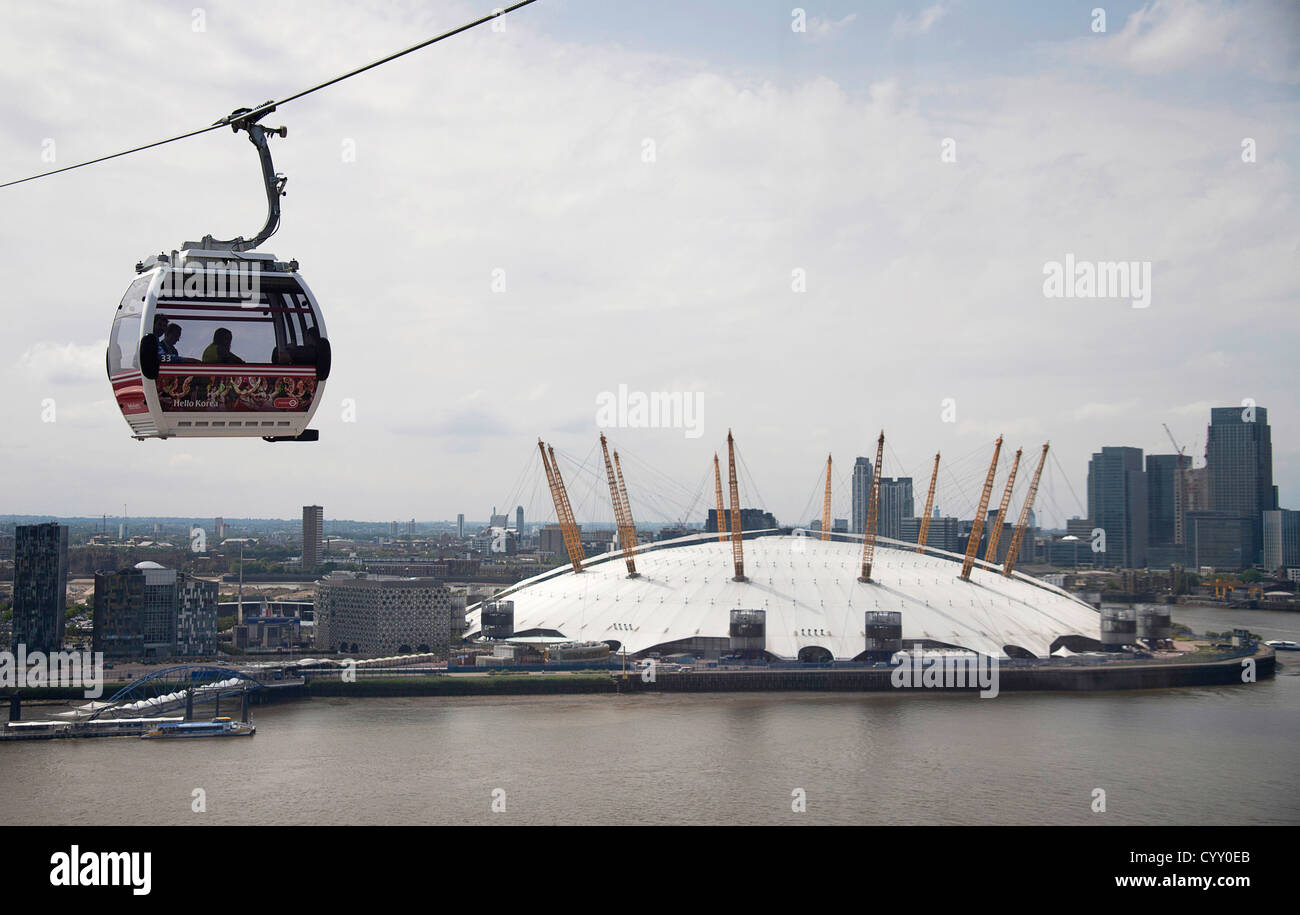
167, 351
306, 354
219, 349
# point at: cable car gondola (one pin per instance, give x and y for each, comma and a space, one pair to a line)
220, 340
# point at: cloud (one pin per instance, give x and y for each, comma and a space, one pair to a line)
819, 27
905, 25
1168, 36
462, 424
63, 363
1104, 410
523, 150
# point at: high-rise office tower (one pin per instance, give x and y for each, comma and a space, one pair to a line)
1117, 503
895, 505
519, 519
861, 493
1281, 540
1163, 482
313, 536
1239, 455
40, 585
460, 526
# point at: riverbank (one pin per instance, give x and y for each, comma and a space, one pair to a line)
1064, 675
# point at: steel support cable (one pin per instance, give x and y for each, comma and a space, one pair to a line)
267, 107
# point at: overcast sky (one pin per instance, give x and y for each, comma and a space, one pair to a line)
777, 154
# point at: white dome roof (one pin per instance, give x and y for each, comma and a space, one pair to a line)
148, 564
810, 591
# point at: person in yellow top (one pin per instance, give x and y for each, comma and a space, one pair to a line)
219, 349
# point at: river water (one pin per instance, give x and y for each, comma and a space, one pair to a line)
1221, 755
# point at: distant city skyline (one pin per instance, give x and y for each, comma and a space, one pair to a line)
898, 499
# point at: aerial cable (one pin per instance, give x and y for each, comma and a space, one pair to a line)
267, 107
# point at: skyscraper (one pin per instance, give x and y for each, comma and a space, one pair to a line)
1117, 503
861, 493
460, 526
1163, 480
313, 536
40, 585
1281, 539
895, 505
519, 520
1239, 454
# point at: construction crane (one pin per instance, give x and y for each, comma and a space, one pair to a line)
1013, 551
632, 541
924, 533
717, 488
977, 527
826, 505
1172, 440
1182, 494
873, 512
563, 510
995, 535
620, 518
737, 549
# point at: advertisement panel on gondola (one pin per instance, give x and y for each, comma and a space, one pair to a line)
210, 392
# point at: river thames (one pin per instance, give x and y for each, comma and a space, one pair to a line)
1212, 755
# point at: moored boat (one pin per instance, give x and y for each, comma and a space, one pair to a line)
217, 727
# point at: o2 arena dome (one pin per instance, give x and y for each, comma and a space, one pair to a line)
813, 607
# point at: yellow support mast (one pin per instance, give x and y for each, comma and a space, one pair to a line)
737, 548
977, 526
1013, 551
632, 542
924, 533
620, 519
826, 505
995, 535
563, 510
873, 512
717, 488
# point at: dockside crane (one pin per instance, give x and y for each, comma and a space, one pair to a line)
977, 526
924, 533
563, 510
620, 517
1013, 551
995, 535
826, 505
873, 512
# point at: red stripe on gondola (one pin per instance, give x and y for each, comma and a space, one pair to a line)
130, 395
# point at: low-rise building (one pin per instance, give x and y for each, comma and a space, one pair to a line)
382, 615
